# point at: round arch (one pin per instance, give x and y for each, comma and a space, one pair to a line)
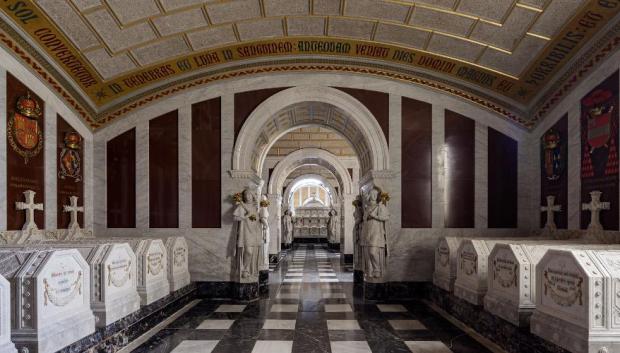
353, 120
306, 156
289, 189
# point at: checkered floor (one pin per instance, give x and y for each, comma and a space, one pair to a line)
312, 307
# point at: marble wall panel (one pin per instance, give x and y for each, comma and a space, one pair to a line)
25, 173
70, 183
164, 171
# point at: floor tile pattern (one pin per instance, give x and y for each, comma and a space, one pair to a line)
312, 307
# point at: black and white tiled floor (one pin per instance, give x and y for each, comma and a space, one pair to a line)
310, 308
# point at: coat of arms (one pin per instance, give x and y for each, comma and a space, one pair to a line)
70, 163
601, 136
24, 133
553, 158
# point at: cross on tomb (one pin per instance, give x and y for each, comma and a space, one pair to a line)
29, 206
550, 209
73, 208
595, 207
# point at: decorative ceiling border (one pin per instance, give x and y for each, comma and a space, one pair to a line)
41, 30
322, 67
602, 49
608, 44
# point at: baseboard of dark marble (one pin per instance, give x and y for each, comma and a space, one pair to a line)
120, 333
348, 259
509, 337
406, 290
335, 247
215, 290
263, 280
309, 240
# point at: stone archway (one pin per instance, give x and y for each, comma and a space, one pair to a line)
335, 196
310, 105
327, 160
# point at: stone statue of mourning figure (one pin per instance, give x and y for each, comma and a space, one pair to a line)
332, 227
249, 234
287, 228
374, 234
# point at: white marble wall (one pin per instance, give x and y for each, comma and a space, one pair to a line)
211, 249
53, 105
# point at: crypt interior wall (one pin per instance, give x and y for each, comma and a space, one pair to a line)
211, 248
412, 248
58, 118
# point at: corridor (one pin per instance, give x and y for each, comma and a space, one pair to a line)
310, 307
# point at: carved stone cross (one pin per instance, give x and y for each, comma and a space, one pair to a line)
73, 208
29, 206
550, 209
595, 207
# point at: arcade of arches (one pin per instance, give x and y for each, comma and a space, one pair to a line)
296, 176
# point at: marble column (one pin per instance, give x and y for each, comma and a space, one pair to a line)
3, 151
574, 167
142, 175
481, 187
275, 226
185, 167
438, 174
346, 242
51, 195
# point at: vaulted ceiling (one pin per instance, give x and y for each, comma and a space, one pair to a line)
116, 51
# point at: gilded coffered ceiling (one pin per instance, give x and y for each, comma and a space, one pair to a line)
115, 50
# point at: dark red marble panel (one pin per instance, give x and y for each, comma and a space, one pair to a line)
70, 174
206, 164
22, 175
246, 102
121, 180
378, 103
164, 171
502, 180
416, 164
460, 171
554, 170
599, 150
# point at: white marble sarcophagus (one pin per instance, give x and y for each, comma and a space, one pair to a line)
577, 300
511, 282
471, 268
178, 262
113, 277
152, 265
445, 262
50, 307
6, 346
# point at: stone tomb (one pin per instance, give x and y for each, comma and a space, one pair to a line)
511, 283
6, 346
471, 270
577, 300
446, 260
113, 276
178, 266
50, 308
152, 265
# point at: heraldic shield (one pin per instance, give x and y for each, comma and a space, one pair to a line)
600, 130
553, 158
24, 133
70, 162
